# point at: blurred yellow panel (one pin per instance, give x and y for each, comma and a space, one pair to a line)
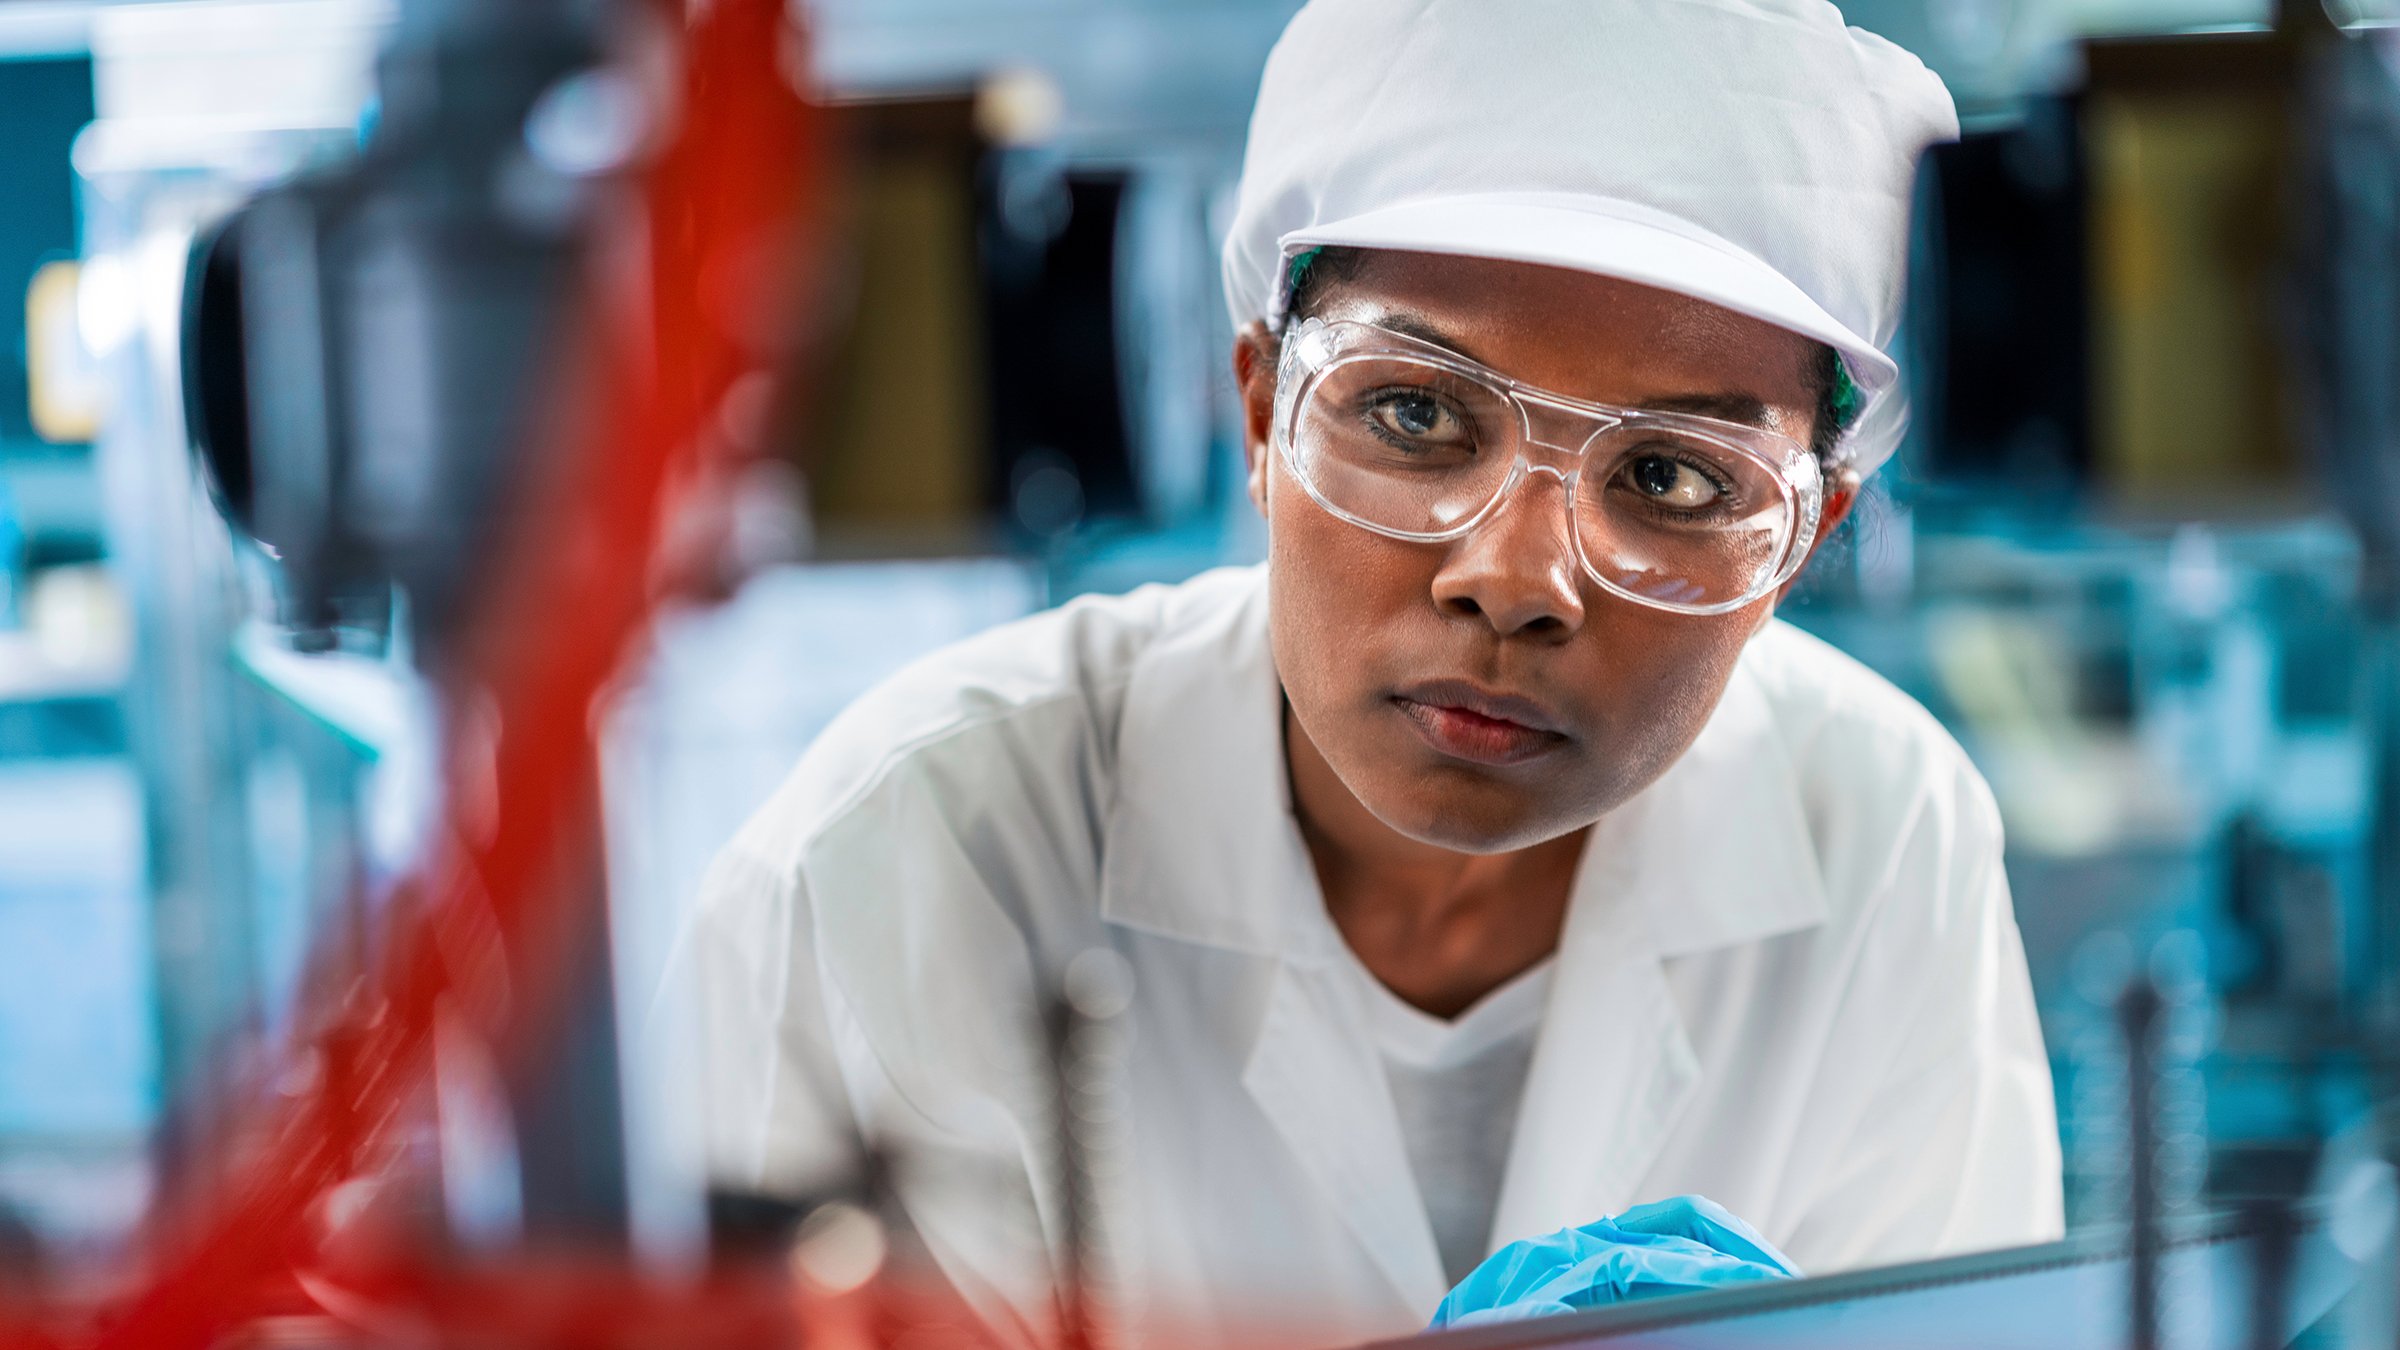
902, 436
65, 382
2187, 225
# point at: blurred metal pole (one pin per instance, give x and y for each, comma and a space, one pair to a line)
2140, 1011
2277, 1237
565, 1086
1087, 1057
460, 253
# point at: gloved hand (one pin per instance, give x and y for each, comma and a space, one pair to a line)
1669, 1247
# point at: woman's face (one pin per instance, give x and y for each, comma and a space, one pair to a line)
1483, 694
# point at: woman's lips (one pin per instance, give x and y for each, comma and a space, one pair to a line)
1484, 733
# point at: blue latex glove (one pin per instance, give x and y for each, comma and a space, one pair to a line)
1670, 1247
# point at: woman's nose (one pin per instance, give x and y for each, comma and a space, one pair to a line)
1517, 570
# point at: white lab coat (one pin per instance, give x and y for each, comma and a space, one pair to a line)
1790, 980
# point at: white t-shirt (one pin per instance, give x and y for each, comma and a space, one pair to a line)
1455, 1086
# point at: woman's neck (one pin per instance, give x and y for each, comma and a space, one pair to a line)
1439, 928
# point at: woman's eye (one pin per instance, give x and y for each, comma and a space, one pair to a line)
1671, 482
1415, 417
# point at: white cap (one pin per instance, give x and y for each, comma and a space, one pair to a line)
1756, 154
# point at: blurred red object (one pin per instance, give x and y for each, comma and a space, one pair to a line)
720, 216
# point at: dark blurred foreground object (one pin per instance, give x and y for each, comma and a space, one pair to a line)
363, 345
371, 361
368, 353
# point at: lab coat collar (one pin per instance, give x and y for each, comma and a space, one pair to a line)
1201, 843
1718, 851
1202, 846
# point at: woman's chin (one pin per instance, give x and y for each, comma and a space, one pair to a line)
1477, 823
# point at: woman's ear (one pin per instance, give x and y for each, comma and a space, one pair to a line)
1255, 351
1841, 494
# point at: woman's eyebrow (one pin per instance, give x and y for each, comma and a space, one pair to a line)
1423, 330
1747, 409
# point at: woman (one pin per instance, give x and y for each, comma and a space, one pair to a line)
1488, 861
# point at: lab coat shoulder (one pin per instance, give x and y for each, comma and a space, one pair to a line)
1935, 1111
1879, 780
874, 946
968, 703
896, 907
1011, 733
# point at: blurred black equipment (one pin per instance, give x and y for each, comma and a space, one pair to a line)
364, 358
1058, 401
2000, 305
362, 343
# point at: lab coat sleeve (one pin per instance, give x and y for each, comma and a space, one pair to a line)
861, 993
1953, 1145
778, 1117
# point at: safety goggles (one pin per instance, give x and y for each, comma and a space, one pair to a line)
1413, 441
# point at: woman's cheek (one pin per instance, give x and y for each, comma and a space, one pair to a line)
1330, 581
